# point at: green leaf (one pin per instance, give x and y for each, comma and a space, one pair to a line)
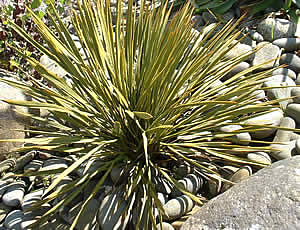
143, 115
35, 4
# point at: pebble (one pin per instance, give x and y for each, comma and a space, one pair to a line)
162, 185
272, 118
9, 177
239, 138
261, 157
297, 147
237, 69
52, 66
256, 36
285, 135
82, 170
191, 183
292, 60
52, 164
116, 174
110, 212
165, 226
279, 93
183, 169
88, 218
4, 210
283, 151
162, 198
208, 18
293, 110
3, 187
259, 94
198, 21
238, 176
214, 186
177, 207
295, 92
30, 199
227, 171
29, 218
275, 28
285, 71
32, 166
14, 195
239, 50
14, 219
289, 44
265, 54
295, 136
297, 81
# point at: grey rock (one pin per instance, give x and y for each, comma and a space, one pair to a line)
285, 71
110, 212
266, 53
260, 157
13, 197
292, 60
295, 92
10, 119
177, 207
237, 69
267, 200
14, 219
289, 44
273, 118
275, 28
239, 138
293, 110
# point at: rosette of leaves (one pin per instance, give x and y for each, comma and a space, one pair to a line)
142, 100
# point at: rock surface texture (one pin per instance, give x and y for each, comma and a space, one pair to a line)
272, 203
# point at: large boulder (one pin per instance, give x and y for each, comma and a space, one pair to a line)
270, 199
10, 119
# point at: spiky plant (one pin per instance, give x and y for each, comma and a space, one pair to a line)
142, 101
